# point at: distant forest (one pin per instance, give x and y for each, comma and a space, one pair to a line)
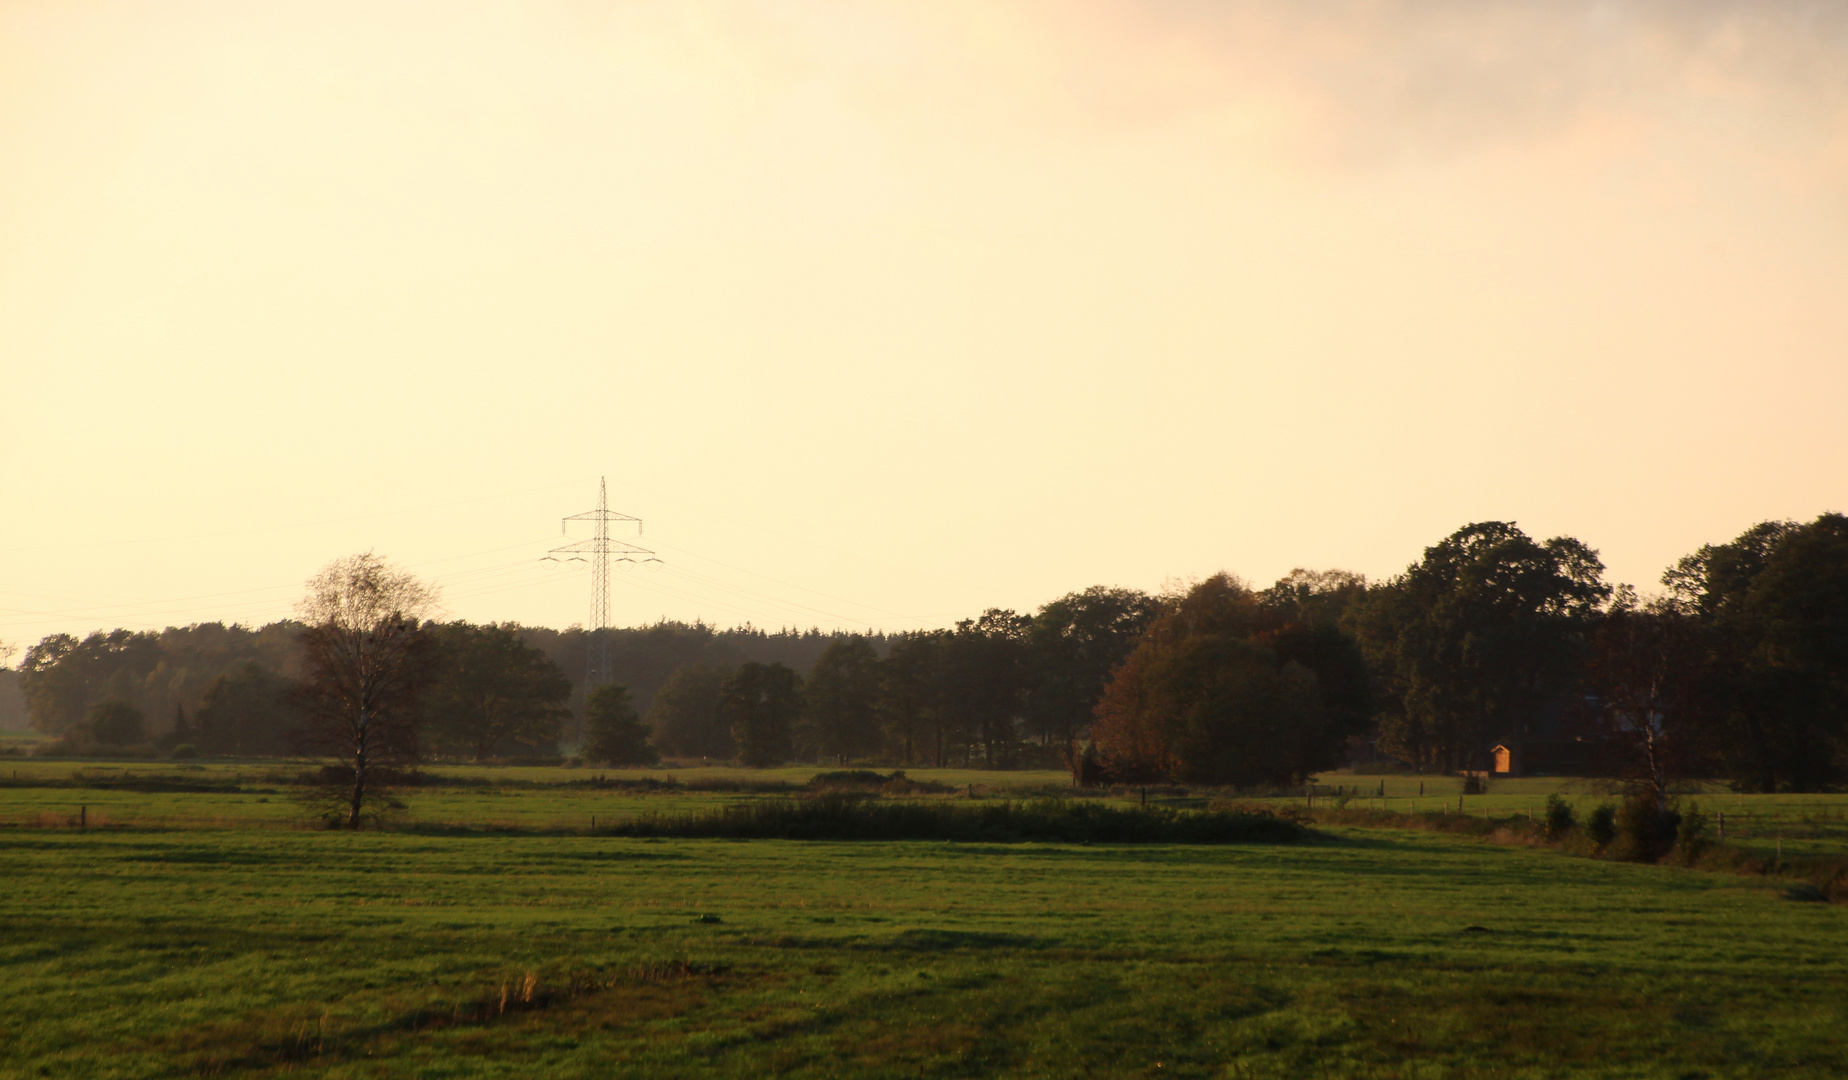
1494, 652
167, 673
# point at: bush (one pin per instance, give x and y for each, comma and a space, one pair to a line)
865, 779
185, 752
856, 818
871, 782
1601, 827
1558, 818
1645, 831
1691, 839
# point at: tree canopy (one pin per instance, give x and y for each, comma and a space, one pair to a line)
365, 661
1772, 608
1477, 639
685, 714
1219, 693
247, 713
840, 702
1740, 670
760, 702
491, 694
613, 734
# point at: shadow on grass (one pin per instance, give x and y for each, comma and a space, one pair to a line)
286, 1043
930, 940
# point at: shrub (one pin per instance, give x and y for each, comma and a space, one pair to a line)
851, 818
1602, 826
1691, 839
1645, 831
1558, 818
865, 779
185, 752
871, 782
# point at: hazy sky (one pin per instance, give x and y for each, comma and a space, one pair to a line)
883, 313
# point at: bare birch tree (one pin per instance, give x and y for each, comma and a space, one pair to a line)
1644, 659
364, 662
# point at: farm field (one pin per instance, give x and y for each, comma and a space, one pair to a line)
204, 932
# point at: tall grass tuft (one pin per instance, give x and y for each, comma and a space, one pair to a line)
1050, 821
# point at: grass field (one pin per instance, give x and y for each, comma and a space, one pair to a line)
203, 932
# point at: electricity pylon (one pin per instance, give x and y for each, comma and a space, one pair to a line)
597, 551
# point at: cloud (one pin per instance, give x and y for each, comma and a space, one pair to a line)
1355, 83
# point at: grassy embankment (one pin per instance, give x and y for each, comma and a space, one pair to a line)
200, 933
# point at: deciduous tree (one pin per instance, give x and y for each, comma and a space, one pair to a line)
910, 685
247, 713
1773, 608
365, 659
613, 734
1645, 667
982, 699
760, 702
1476, 639
116, 724
1211, 696
840, 702
685, 714
490, 694
1074, 643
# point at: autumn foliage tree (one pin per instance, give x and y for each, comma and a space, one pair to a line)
1219, 691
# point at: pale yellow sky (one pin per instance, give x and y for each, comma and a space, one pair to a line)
883, 313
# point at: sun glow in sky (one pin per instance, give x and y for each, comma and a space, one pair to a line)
879, 314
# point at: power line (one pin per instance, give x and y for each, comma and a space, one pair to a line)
597, 551
285, 527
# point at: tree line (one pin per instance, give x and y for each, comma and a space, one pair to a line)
222, 689
1494, 648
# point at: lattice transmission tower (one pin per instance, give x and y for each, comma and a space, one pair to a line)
599, 551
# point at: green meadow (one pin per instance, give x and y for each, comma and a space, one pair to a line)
195, 927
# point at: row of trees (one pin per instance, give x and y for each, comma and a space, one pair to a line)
998, 691
1738, 669
219, 688
1493, 638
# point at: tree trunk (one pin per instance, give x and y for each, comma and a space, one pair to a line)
359, 776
